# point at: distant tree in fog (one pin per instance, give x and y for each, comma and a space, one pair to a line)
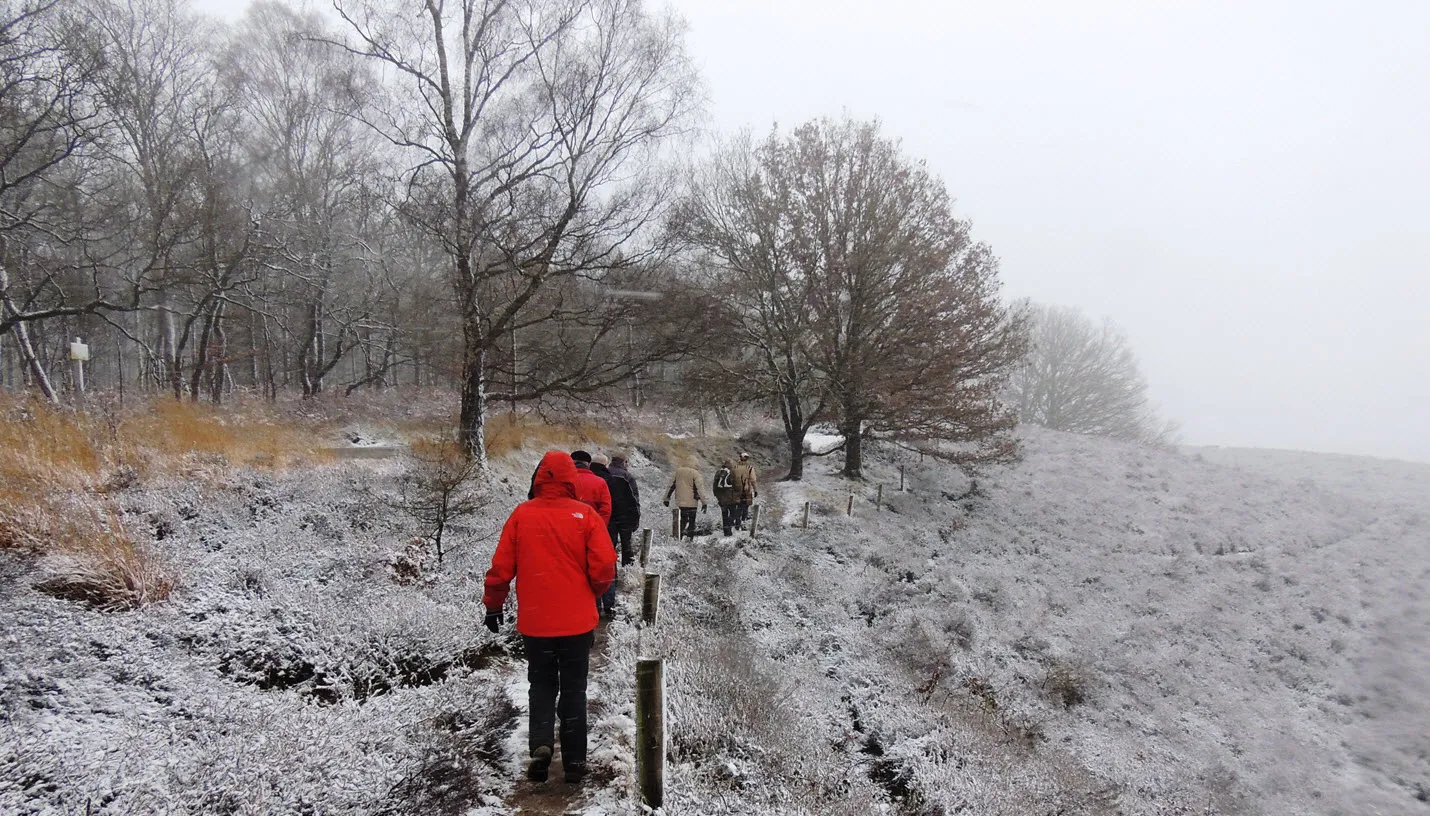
1083, 378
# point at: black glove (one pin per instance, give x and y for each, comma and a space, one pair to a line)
495, 620
666, 502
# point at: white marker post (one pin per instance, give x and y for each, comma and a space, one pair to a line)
79, 353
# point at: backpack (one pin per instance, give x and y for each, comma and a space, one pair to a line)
722, 480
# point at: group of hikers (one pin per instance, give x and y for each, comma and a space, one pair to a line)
561, 546
735, 486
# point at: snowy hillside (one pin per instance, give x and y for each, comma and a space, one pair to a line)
1099, 629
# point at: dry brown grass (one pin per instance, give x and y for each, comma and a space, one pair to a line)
94, 559
249, 435
508, 433
57, 468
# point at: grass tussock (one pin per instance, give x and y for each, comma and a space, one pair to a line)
93, 559
508, 433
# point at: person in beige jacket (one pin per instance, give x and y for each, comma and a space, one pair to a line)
747, 485
685, 487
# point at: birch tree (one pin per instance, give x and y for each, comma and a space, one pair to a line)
48, 68
532, 129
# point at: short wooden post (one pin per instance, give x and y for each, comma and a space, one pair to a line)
850, 511
879, 499
650, 732
645, 547
754, 519
675, 522
650, 598
901, 478
806, 515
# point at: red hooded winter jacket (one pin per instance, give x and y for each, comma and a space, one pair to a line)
558, 551
593, 490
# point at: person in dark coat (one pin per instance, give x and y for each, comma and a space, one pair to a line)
600, 465
727, 495
625, 505
557, 550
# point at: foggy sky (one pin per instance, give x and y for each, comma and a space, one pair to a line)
1243, 185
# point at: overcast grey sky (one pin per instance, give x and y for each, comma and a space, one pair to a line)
1244, 185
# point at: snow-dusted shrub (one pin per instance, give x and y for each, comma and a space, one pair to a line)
1067, 682
729, 702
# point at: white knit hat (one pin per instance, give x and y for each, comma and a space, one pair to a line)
600, 459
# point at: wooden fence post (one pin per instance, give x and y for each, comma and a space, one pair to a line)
650, 732
879, 499
645, 547
901, 478
675, 522
650, 598
806, 515
754, 519
850, 511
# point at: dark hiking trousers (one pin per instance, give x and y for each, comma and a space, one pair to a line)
687, 523
626, 548
608, 600
556, 669
742, 514
729, 516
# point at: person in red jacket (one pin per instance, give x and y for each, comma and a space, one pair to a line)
558, 551
590, 488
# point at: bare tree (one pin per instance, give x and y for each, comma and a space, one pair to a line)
158, 88
439, 489
740, 219
1083, 378
48, 66
312, 159
533, 127
906, 321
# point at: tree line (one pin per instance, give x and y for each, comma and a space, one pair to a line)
483, 194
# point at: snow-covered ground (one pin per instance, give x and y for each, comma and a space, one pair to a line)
1098, 629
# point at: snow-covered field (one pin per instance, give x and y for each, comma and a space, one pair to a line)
1098, 629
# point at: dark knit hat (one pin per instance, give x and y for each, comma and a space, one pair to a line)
581, 456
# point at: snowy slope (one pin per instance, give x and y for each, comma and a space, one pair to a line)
1166, 635
1097, 629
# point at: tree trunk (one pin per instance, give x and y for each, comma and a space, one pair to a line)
201, 358
796, 453
792, 413
853, 450
27, 352
169, 347
219, 371
471, 429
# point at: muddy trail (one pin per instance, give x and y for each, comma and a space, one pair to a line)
555, 796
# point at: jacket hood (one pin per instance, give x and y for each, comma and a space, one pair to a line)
555, 476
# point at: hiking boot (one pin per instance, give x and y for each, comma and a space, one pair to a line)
575, 772
627, 560
540, 764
